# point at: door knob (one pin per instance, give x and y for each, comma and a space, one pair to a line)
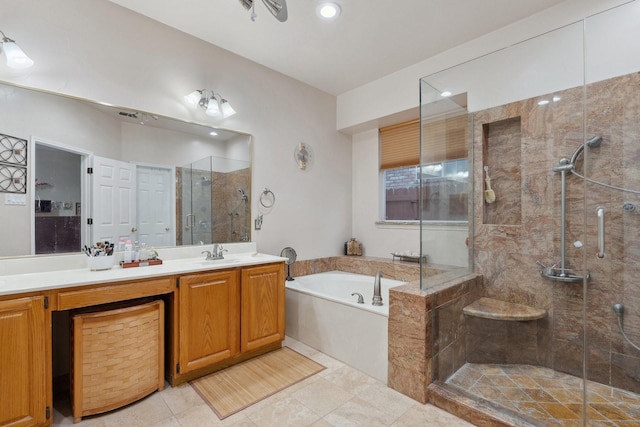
133, 229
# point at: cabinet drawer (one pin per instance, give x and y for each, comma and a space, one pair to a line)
114, 292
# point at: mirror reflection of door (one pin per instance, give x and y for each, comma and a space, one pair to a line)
132, 202
58, 199
113, 205
155, 200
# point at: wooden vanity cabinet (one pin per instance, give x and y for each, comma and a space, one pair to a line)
24, 355
263, 311
209, 319
228, 316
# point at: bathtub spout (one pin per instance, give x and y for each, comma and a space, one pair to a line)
377, 298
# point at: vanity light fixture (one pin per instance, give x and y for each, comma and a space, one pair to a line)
16, 58
328, 10
212, 103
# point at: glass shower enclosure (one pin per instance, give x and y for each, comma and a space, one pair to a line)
554, 151
213, 201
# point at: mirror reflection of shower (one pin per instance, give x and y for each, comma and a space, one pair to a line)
237, 216
214, 195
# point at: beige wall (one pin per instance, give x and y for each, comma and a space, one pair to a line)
97, 50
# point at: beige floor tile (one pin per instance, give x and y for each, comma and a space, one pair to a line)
322, 396
180, 398
169, 422
203, 416
380, 396
349, 379
337, 396
284, 412
147, 412
428, 415
357, 412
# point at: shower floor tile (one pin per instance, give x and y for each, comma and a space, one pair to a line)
550, 398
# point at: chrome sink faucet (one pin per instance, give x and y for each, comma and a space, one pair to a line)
216, 253
377, 298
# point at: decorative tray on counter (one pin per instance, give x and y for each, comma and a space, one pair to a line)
140, 263
408, 256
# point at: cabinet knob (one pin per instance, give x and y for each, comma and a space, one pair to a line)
133, 229
167, 228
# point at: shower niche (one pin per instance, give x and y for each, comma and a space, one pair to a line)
501, 160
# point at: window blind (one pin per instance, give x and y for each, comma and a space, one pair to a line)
444, 140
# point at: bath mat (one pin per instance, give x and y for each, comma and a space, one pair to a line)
237, 387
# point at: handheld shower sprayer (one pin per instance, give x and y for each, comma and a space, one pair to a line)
592, 142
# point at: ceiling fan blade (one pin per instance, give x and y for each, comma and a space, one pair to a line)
278, 8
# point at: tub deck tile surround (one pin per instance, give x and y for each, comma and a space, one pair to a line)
368, 266
399, 270
426, 331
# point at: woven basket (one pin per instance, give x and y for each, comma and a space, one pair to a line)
117, 357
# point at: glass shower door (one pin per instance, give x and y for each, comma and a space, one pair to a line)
611, 165
196, 209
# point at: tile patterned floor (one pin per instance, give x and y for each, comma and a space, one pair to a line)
337, 396
551, 398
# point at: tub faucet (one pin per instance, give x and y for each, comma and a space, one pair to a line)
377, 298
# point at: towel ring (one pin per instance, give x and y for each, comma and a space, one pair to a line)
267, 198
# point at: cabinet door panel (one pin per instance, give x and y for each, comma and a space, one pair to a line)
23, 362
262, 306
209, 319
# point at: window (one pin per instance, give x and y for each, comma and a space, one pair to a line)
444, 173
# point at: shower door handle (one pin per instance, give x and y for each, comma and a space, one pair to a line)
600, 214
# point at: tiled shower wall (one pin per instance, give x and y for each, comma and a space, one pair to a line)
520, 143
230, 215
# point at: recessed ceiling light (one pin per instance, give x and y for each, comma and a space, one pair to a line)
213, 133
445, 94
543, 102
328, 10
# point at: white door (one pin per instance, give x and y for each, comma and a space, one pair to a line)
155, 213
113, 207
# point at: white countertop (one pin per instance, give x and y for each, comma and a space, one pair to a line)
64, 278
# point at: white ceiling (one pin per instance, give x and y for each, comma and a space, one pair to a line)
371, 39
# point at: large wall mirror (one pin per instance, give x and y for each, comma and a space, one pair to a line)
95, 172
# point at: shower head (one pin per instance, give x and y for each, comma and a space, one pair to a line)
243, 194
205, 181
594, 141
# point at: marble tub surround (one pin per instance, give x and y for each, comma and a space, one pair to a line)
427, 331
404, 271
